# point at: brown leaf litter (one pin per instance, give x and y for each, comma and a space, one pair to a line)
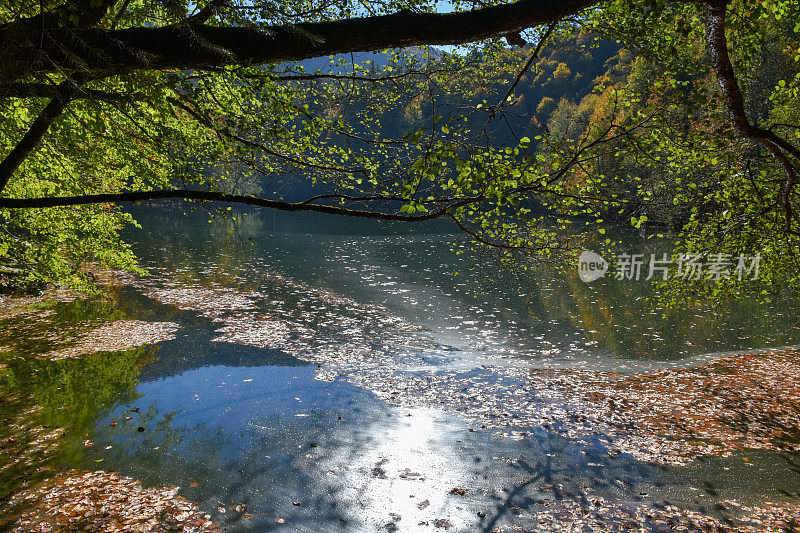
598, 514
28, 305
116, 336
25, 444
311, 324
105, 502
738, 402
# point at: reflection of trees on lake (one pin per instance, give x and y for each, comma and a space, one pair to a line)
193, 241
547, 309
73, 392
70, 394
625, 318
57, 324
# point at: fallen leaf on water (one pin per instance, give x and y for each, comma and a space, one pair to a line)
105, 501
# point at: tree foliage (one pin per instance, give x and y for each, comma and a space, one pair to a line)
536, 114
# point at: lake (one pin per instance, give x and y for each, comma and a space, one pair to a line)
327, 375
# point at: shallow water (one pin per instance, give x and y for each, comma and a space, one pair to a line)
298, 434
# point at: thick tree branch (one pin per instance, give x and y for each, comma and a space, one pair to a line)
35, 133
199, 46
723, 68
145, 196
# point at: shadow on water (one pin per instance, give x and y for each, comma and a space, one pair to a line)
193, 347
329, 455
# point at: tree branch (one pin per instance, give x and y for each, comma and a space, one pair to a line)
723, 68
45, 90
35, 133
221, 132
198, 46
210, 9
145, 196
477, 237
534, 56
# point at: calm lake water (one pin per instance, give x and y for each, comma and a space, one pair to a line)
245, 425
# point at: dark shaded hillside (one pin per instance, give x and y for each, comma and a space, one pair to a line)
565, 73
